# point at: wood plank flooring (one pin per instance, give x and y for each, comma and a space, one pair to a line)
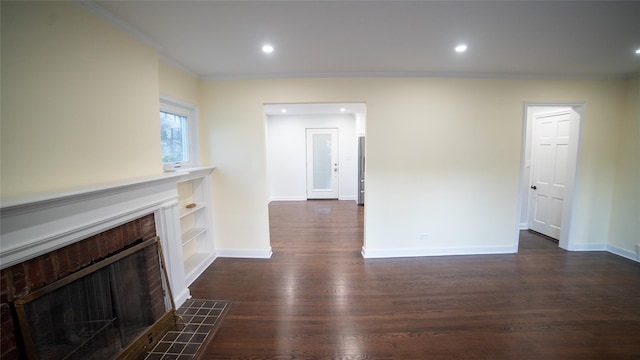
317, 298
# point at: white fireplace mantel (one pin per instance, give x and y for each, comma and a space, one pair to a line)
32, 227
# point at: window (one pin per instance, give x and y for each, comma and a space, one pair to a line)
174, 135
178, 133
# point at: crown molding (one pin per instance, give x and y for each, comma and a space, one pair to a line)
103, 13
108, 16
178, 65
401, 74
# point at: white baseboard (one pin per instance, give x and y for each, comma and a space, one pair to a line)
180, 298
623, 252
288, 198
242, 253
587, 247
627, 254
304, 198
392, 253
524, 226
193, 275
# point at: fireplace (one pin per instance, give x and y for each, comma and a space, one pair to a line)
72, 241
111, 308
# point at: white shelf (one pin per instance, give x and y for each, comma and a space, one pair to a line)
192, 234
185, 212
198, 250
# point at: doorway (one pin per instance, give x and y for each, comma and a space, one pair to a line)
286, 127
549, 167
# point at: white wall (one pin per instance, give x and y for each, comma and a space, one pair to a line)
286, 154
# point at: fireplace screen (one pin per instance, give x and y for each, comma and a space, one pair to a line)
97, 312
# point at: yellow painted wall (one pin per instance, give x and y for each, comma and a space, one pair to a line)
79, 101
80, 107
625, 215
443, 156
178, 83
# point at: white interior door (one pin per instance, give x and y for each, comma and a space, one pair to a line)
553, 157
322, 164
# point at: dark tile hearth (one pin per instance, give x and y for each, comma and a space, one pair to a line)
198, 321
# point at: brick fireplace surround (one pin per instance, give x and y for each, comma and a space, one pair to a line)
29, 276
47, 238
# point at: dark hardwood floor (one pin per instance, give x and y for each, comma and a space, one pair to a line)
317, 298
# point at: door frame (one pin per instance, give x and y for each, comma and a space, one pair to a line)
566, 240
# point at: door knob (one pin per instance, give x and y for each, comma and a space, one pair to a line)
534, 187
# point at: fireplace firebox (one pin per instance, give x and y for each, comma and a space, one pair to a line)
116, 308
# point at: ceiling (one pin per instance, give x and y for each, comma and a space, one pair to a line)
547, 39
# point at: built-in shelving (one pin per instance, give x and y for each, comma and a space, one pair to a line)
194, 197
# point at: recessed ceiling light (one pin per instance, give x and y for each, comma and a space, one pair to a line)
343, 109
267, 48
284, 110
638, 51
461, 48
